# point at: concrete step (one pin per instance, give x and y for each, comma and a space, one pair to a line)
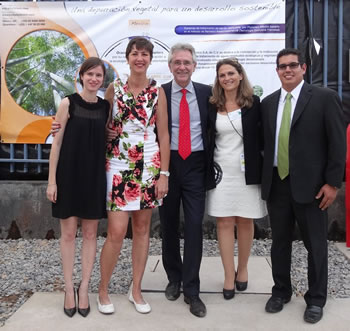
44, 311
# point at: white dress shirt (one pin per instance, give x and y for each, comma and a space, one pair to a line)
295, 95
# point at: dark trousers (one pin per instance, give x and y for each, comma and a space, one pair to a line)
186, 185
312, 222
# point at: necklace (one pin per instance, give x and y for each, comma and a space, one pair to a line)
231, 120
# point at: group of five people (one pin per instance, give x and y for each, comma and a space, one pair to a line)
168, 146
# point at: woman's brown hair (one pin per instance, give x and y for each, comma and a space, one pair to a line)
140, 43
91, 63
245, 92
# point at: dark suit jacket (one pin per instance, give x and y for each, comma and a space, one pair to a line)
203, 93
252, 144
317, 145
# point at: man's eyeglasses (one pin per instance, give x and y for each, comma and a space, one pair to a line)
292, 65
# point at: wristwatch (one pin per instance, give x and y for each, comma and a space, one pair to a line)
165, 173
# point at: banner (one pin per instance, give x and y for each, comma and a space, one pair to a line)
44, 43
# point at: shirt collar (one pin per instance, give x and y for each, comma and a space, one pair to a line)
177, 88
295, 92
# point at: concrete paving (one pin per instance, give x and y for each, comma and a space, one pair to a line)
345, 250
44, 311
211, 275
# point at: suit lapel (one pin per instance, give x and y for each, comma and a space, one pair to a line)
203, 107
167, 91
272, 111
304, 97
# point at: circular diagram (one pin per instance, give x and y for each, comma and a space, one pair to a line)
115, 54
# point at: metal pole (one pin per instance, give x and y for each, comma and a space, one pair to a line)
325, 43
296, 23
340, 49
311, 3
12, 156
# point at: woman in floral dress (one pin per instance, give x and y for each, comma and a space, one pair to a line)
137, 163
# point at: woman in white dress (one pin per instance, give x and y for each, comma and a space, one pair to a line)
235, 149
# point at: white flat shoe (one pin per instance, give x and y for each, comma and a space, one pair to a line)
105, 309
142, 308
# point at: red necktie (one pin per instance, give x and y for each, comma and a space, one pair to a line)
184, 131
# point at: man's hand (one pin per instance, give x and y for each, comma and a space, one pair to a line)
329, 194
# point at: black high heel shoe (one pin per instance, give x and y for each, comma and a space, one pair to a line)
83, 311
241, 286
70, 311
228, 294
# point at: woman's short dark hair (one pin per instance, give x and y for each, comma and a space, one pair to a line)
91, 63
140, 43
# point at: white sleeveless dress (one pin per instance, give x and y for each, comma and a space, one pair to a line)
232, 197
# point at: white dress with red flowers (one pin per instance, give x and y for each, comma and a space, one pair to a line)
133, 158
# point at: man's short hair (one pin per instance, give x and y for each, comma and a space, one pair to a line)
182, 47
290, 51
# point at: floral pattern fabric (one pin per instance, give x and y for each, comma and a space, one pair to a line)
133, 158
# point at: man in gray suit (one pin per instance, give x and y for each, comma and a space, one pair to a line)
304, 160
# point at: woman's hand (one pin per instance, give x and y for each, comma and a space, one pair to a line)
110, 133
162, 187
51, 192
55, 126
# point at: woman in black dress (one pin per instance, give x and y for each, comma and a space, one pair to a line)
77, 178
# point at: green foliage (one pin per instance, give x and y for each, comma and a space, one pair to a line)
30, 63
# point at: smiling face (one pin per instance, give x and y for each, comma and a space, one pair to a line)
92, 79
229, 78
139, 60
290, 77
182, 66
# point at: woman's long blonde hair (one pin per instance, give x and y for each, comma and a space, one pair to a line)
245, 91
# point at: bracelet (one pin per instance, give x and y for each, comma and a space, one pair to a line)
51, 184
165, 173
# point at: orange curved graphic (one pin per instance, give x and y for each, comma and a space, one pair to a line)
35, 132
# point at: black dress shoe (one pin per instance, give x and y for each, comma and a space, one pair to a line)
172, 291
197, 307
228, 294
241, 286
83, 311
275, 304
313, 314
69, 311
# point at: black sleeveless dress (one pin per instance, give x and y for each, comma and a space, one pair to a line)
81, 174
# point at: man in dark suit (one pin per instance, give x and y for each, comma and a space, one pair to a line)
304, 159
187, 179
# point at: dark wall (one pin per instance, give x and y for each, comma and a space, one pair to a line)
310, 31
